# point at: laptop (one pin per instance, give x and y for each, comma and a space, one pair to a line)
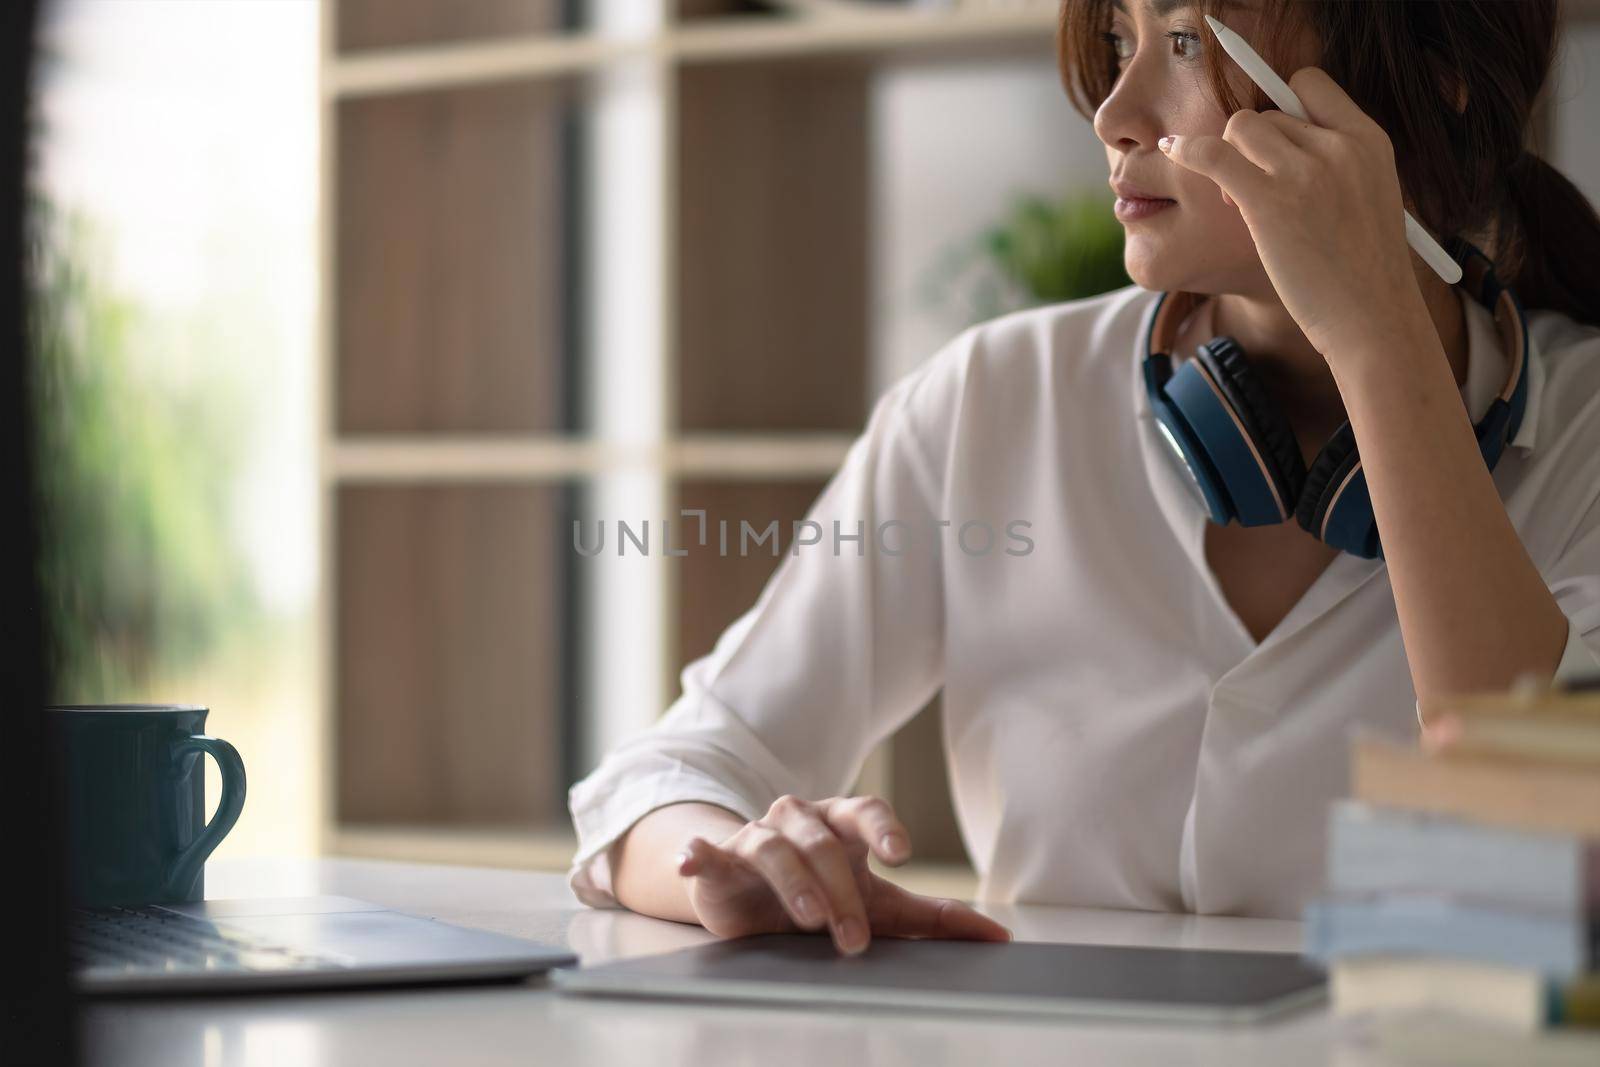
1024, 978
246, 946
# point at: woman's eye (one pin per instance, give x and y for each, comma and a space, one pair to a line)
1178, 37
1184, 37
1115, 42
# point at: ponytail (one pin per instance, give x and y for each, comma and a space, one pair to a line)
1550, 251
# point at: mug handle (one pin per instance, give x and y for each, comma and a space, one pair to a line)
187, 865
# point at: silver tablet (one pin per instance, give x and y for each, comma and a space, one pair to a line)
1035, 978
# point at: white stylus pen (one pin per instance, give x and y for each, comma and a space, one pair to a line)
1276, 88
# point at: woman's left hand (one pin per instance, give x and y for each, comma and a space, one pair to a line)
1323, 203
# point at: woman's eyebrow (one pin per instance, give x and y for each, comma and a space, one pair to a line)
1158, 8
1163, 8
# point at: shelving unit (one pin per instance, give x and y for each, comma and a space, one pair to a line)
489, 170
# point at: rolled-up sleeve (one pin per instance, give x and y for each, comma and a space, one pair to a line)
842, 647
1579, 658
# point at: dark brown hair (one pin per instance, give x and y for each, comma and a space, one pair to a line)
1466, 172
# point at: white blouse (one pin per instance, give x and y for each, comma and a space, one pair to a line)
1114, 735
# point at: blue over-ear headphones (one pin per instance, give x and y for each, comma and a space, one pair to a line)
1241, 453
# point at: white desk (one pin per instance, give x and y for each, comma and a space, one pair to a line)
531, 1024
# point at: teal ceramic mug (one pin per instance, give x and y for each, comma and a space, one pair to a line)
136, 809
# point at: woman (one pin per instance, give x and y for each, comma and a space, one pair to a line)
1145, 708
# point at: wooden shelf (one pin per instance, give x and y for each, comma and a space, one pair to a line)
733, 40
357, 26
531, 849
420, 459
473, 63
476, 846
722, 39
746, 455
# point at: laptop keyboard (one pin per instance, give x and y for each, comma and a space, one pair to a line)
108, 942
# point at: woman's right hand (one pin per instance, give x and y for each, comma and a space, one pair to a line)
803, 866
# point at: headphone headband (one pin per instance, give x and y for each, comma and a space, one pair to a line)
1479, 277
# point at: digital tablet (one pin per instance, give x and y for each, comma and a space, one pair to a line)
1035, 978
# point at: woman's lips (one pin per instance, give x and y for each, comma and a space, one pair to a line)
1133, 208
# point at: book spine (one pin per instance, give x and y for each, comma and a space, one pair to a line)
1552, 740
1376, 849
1514, 997
1522, 796
1518, 999
1576, 1003
1554, 946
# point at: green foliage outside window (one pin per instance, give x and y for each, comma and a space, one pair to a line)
135, 469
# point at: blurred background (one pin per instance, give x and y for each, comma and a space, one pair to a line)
348, 311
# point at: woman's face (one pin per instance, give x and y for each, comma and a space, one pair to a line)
1199, 243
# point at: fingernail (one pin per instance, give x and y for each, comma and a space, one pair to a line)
852, 935
1165, 143
682, 858
892, 844
807, 910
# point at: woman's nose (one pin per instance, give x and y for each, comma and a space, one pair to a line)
1130, 116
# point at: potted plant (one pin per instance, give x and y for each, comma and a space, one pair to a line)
1042, 251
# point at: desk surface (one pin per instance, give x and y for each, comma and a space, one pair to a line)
530, 1023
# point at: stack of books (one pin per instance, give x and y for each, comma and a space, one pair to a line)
1466, 880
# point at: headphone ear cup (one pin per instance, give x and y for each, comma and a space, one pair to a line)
1326, 472
1263, 420
1336, 508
